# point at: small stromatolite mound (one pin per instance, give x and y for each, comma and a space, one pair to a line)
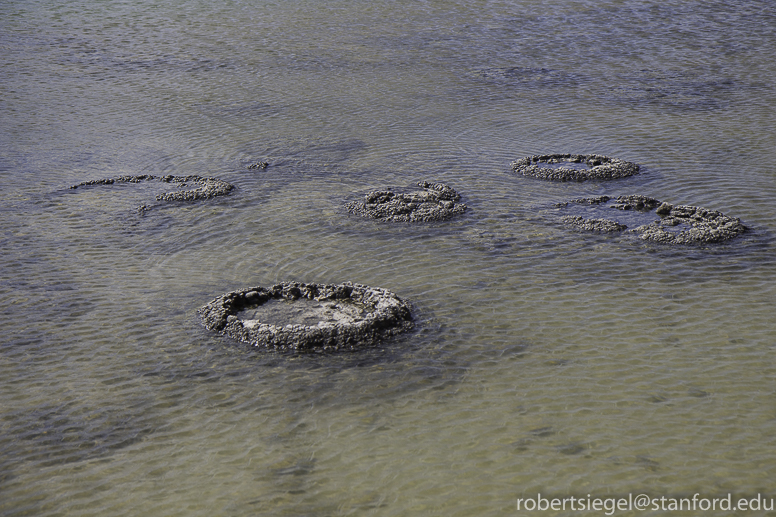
298, 316
680, 224
203, 188
593, 225
436, 202
558, 167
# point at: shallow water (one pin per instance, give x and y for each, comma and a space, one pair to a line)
544, 360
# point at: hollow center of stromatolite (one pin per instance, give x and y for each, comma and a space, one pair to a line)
302, 311
582, 166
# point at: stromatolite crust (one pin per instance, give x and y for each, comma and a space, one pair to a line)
589, 166
703, 226
312, 316
593, 225
203, 188
681, 224
435, 202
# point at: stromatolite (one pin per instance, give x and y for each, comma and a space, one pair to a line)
299, 316
435, 202
680, 224
204, 188
588, 166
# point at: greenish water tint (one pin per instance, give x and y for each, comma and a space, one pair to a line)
544, 360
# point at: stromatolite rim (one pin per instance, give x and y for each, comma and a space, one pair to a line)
600, 167
702, 226
207, 188
386, 315
435, 202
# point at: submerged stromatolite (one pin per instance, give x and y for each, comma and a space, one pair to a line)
204, 188
298, 316
587, 166
435, 202
681, 224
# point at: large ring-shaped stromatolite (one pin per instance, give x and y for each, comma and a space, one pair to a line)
680, 224
589, 166
205, 188
436, 202
297, 316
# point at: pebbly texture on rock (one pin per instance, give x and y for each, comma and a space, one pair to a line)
632, 202
599, 167
349, 316
204, 188
703, 226
584, 201
593, 225
436, 202
641, 203
682, 224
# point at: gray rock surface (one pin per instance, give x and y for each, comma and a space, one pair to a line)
593, 225
298, 316
589, 166
435, 202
